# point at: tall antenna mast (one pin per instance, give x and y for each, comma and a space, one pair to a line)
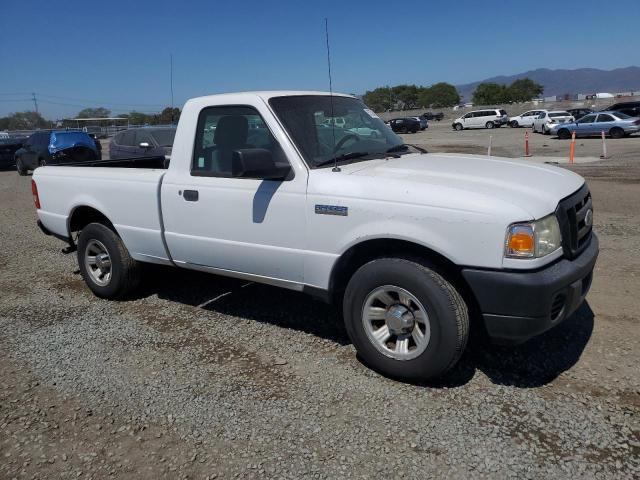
171, 81
333, 120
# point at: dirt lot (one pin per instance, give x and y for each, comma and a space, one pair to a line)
206, 377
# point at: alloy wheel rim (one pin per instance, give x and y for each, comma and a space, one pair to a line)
98, 262
396, 323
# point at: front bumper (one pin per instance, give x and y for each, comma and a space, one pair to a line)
517, 306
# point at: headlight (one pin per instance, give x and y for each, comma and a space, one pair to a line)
533, 239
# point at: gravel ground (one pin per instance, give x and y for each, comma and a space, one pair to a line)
207, 377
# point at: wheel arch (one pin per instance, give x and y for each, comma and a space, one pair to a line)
365, 251
82, 215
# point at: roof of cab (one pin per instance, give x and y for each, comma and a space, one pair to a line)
267, 94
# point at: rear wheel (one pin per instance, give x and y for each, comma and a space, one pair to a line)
20, 167
405, 319
489, 125
458, 127
105, 263
616, 132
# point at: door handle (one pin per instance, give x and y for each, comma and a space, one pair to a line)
190, 195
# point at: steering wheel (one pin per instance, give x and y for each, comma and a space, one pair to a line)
343, 140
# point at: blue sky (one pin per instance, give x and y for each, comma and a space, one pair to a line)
116, 54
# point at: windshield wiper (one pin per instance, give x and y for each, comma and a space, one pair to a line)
344, 156
405, 146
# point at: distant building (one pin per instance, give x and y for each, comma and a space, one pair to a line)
604, 95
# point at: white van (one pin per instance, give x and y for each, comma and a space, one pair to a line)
489, 118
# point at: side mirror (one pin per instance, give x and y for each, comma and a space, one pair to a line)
257, 163
144, 145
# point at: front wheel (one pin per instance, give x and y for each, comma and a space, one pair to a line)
514, 124
458, 127
489, 125
563, 134
105, 263
405, 320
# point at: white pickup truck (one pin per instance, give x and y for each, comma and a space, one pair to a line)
262, 187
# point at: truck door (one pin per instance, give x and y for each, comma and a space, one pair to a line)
214, 219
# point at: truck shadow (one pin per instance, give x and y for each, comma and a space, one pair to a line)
532, 364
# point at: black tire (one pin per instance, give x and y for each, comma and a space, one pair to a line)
20, 167
514, 124
564, 134
125, 271
458, 127
447, 317
42, 162
616, 132
489, 125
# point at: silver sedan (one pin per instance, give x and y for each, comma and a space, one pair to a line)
613, 124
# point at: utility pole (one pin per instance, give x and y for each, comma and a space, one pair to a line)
35, 102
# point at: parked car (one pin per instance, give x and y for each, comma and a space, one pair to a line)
8, 147
488, 118
631, 109
524, 119
4, 135
365, 132
47, 147
423, 122
142, 142
578, 113
546, 120
433, 116
404, 248
405, 125
613, 124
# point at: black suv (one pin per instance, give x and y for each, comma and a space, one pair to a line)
630, 108
404, 125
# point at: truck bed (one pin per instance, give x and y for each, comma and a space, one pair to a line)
127, 192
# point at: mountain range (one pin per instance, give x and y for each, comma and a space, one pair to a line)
559, 82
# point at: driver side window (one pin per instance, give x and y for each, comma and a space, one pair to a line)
222, 131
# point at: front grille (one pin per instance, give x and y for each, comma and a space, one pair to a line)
557, 306
574, 225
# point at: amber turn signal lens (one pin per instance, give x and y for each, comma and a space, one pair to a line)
521, 242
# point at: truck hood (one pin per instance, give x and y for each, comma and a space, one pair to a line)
534, 188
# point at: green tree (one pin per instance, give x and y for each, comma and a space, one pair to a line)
490, 94
99, 112
379, 99
439, 95
523, 90
24, 121
406, 95
169, 115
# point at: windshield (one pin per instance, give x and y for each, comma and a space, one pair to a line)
559, 114
352, 131
164, 137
